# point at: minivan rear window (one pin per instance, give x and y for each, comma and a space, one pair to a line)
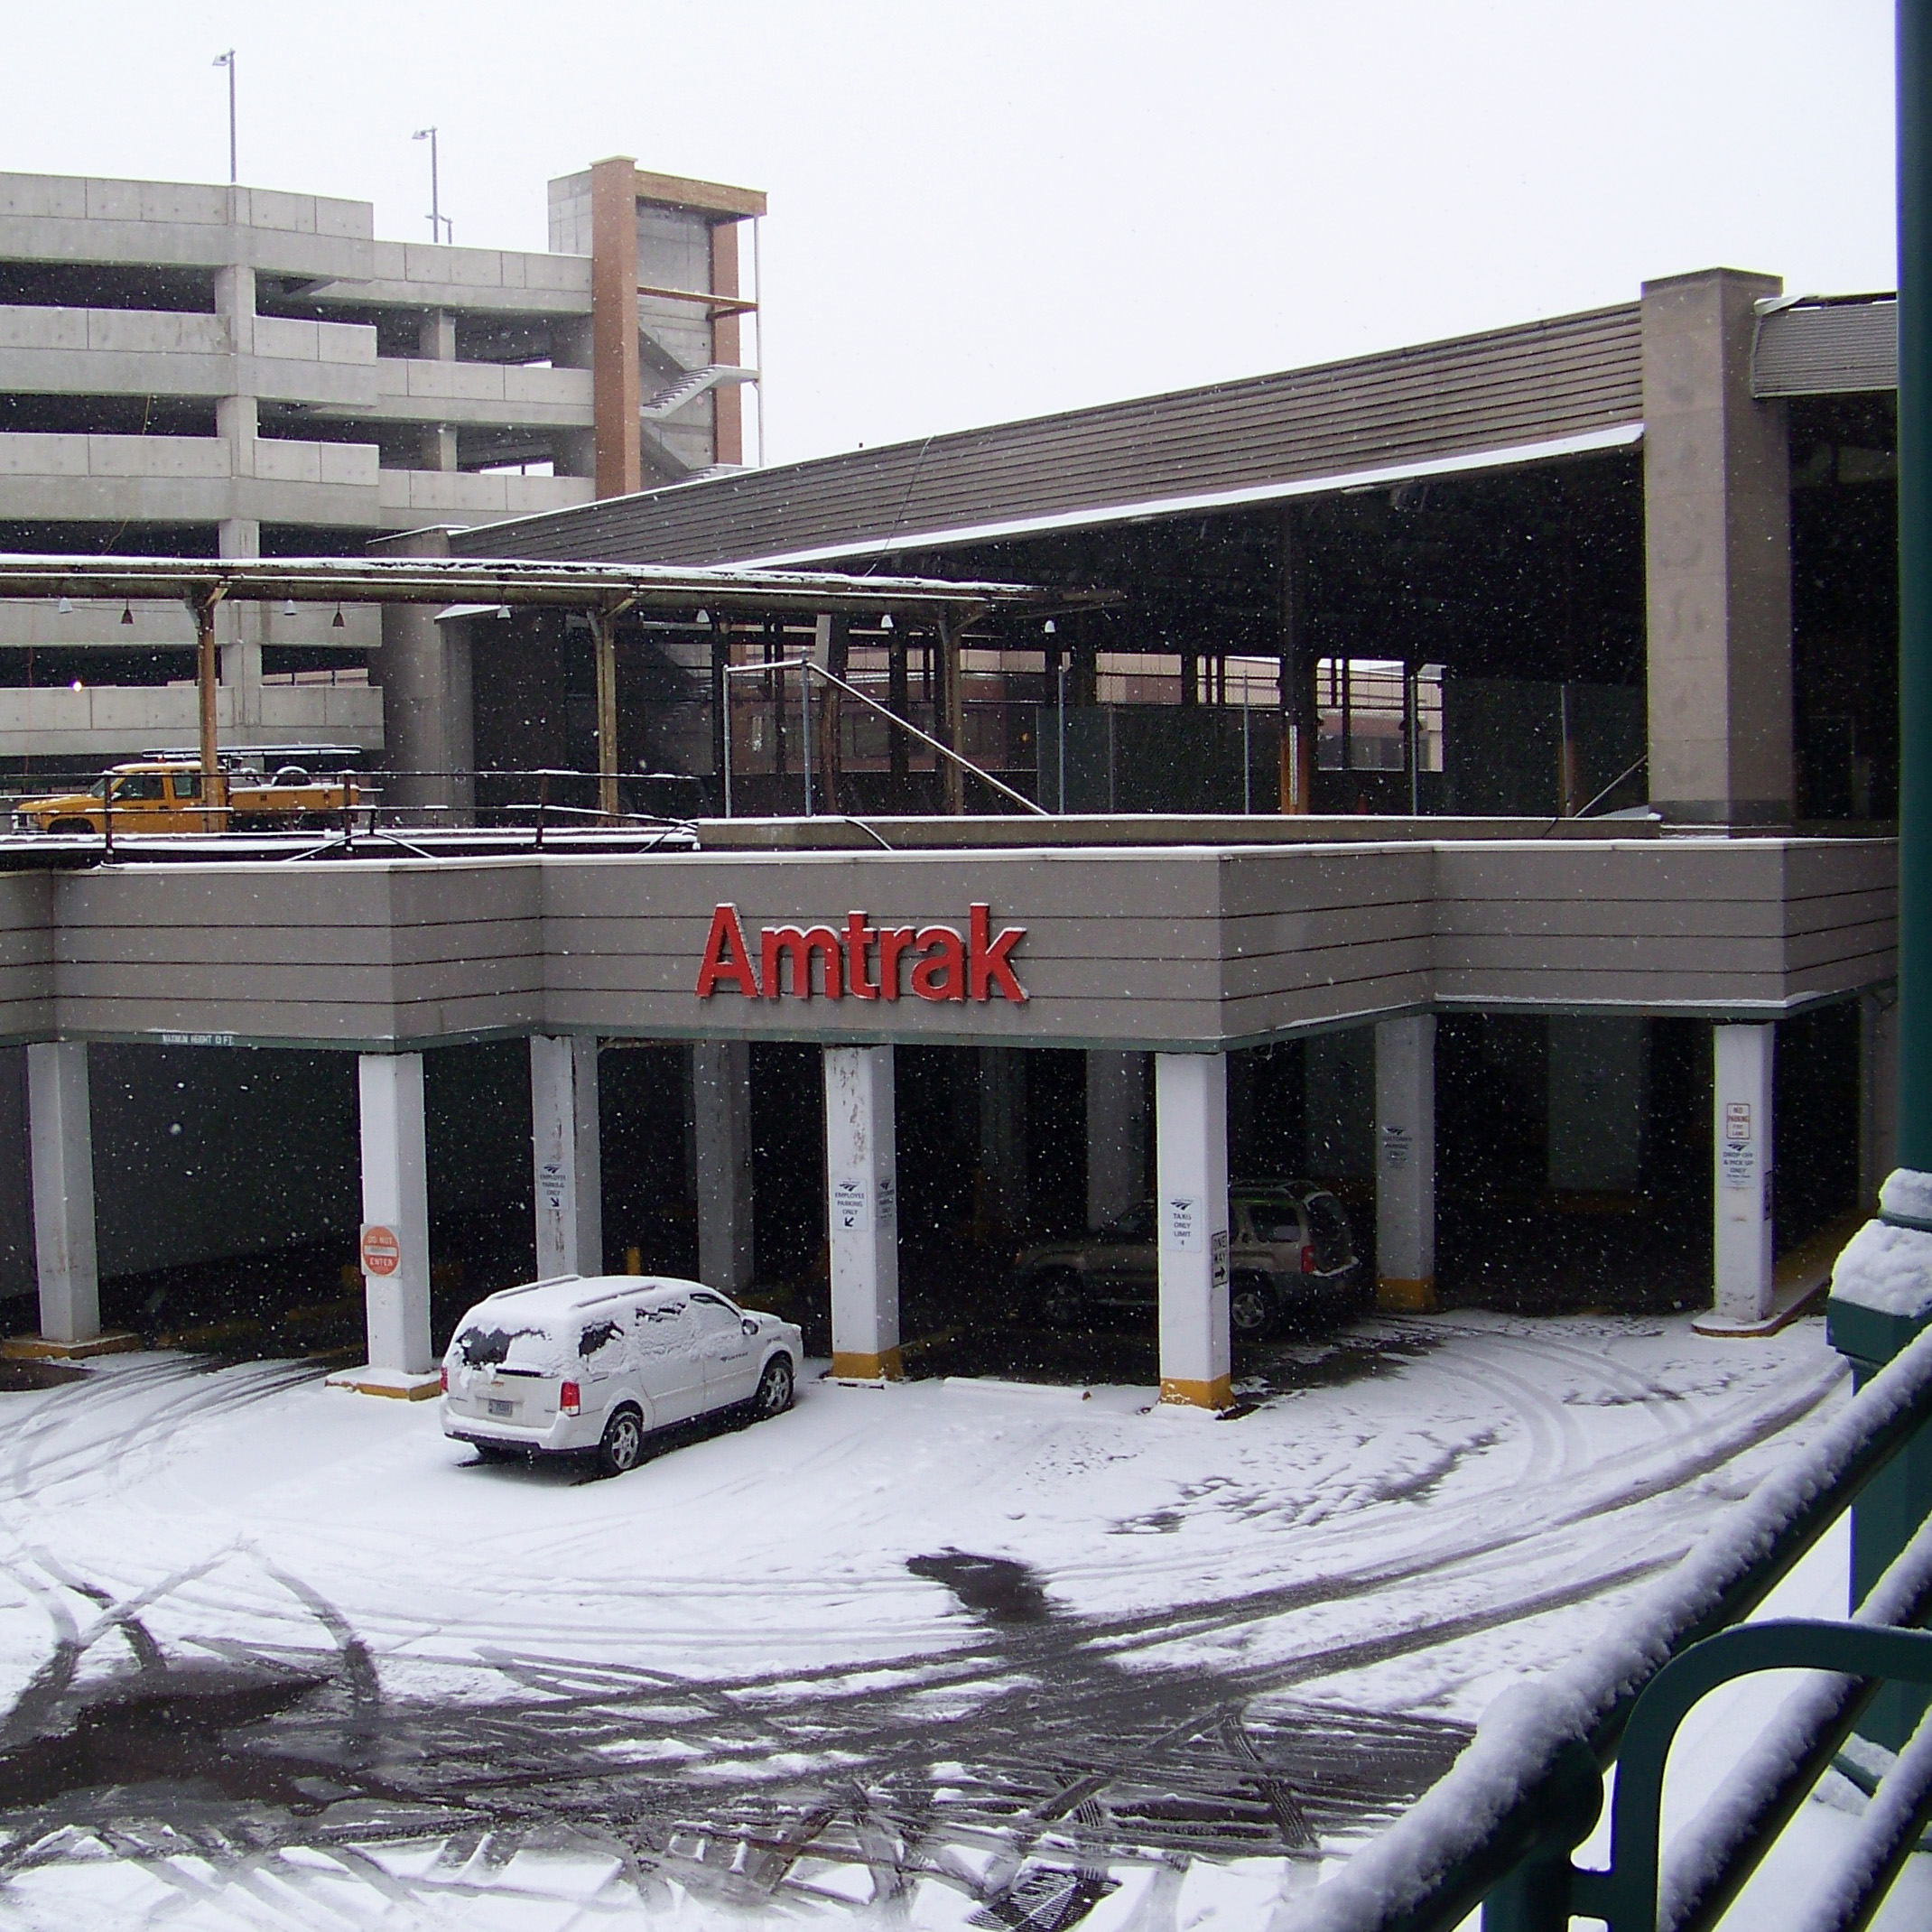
529, 1349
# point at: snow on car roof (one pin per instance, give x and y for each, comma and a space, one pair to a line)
565, 1295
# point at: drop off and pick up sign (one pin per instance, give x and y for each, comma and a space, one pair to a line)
861, 961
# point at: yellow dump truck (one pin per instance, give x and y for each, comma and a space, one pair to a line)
157, 795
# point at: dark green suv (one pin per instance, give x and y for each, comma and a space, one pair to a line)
1289, 1248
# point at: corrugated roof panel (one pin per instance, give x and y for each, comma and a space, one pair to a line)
1827, 347
1540, 383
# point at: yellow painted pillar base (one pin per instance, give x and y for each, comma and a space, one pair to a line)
1217, 1394
1393, 1295
851, 1368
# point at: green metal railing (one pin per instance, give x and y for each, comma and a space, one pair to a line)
1500, 1831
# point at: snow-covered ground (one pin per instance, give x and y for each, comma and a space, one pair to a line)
1001, 1655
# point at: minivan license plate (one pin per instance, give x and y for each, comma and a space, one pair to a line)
502, 1408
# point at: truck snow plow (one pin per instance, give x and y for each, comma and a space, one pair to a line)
156, 795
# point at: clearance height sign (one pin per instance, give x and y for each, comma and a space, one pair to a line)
862, 960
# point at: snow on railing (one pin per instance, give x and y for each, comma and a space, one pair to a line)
1517, 1776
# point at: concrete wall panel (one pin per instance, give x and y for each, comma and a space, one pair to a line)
1120, 948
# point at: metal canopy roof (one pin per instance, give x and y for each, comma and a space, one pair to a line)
1526, 393
488, 582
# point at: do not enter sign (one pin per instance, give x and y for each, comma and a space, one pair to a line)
382, 1253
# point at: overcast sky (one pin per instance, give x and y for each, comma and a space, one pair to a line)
987, 210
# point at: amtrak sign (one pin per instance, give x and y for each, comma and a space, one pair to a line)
861, 961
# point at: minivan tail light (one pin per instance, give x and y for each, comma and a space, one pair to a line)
442, 1376
570, 1399
1307, 1259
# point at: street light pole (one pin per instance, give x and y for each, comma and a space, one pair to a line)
437, 223
228, 61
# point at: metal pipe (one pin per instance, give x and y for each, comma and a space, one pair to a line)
1061, 667
604, 643
804, 704
208, 681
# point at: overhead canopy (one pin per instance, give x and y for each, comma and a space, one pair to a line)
494, 583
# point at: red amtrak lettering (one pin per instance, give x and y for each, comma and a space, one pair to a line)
942, 973
859, 936
988, 964
893, 940
945, 964
725, 957
778, 943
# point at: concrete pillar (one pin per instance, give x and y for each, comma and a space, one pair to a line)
1405, 1163
1599, 1097
615, 381
862, 1178
429, 713
1191, 1209
720, 1091
1117, 1134
61, 1133
439, 448
1741, 1086
395, 1213
240, 627
436, 336
566, 1150
1002, 1138
1717, 556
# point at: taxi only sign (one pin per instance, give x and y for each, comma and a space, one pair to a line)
863, 962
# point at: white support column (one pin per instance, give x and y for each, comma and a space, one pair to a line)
1117, 1134
1405, 1163
861, 1212
1191, 1206
1741, 1089
566, 1149
59, 1127
395, 1216
720, 1091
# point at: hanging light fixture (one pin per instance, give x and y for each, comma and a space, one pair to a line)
335, 623
288, 608
503, 613
1049, 627
704, 617
127, 615
67, 604
885, 621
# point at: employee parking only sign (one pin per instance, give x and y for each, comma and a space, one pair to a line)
851, 1204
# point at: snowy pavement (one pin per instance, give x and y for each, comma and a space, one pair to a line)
273, 1654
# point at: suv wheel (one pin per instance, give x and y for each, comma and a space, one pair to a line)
1251, 1308
622, 1447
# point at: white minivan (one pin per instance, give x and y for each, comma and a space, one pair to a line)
598, 1361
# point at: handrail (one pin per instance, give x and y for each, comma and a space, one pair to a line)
1528, 1787
1626, 1895
809, 669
